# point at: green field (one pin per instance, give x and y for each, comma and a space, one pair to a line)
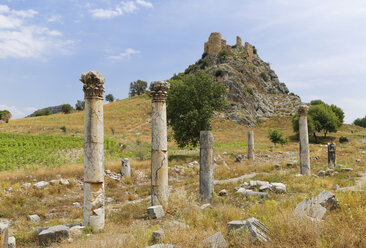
31, 151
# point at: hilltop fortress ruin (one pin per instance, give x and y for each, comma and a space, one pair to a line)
215, 44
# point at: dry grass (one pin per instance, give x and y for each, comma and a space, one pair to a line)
126, 222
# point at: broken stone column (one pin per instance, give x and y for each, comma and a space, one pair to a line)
206, 166
304, 140
126, 168
93, 150
238, 42
159, 144
332, 154
250, 145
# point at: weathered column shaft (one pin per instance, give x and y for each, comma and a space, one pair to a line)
93, 150
126, 168
206, 165
332, 159
304, 140
251, 145
159, 145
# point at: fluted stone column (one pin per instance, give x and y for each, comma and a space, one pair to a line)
251, 145
159, 144
304, 140
206, 166
93, 150
332, 160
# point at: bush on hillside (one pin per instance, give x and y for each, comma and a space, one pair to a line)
66, 108
5, 115
276, 137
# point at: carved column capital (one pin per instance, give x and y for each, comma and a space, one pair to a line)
93, 84
303, 110
159, 91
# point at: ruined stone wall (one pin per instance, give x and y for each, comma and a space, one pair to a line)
215, 44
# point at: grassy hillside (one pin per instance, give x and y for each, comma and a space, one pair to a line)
126, 222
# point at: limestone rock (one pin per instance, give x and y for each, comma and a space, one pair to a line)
53, 234
258, 231
179, 225
64, 182
316, 207
76, 205
206, 206
34, 218
40, 185
321, 173
76, 231
162, 246
223, 192
4, 226
40, 229
215, 241
155, 212
11, 242
157, 236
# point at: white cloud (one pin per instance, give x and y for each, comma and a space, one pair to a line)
126, 54
122, 9
144, 3
20, 39
55, 18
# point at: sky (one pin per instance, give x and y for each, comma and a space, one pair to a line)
317, 48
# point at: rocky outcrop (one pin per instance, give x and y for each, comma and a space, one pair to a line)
254, 90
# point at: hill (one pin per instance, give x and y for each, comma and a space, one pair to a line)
254, 90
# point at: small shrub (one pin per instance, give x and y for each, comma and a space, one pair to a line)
112, 130
254, 50
203, 63
264, 76
80, 105
222, 54
189, 69
218, 73
66, 108
250, 91
276, 137
343, 139
63, 128
109, 98
204, 55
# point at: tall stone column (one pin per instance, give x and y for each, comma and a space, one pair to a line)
93, 150
159, 144
304, 140
206, 165
251, 145
332, 161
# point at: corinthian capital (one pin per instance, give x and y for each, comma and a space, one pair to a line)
159, 91
93, 84
303, 110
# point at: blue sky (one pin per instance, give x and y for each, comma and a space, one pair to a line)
318, 48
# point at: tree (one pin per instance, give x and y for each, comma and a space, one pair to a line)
321, 118
276, 137
109, 98
66, 108
43, 112
361, 122
192, 100
5, 115
137, 88
80, 105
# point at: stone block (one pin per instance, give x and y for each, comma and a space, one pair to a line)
11, 242
157, 236
215, 241
155, 212
53, 234
34, 218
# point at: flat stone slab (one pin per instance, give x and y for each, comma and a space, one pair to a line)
155, 212
215, 241
257, 230
262, 195
53, 234
40, 185
316, 207
34, 218
40, 229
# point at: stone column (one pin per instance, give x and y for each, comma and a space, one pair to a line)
251, 145
206, 165
332, 161
159, 144
93, 150
126, 168
304, 140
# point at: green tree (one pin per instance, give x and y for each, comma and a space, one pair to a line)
137, 88
192, 100
66, 108
5, 115
43, 112
361, 122
109, 98
80, 105
321, 118
276, 137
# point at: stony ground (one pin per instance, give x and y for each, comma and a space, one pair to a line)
185, 224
